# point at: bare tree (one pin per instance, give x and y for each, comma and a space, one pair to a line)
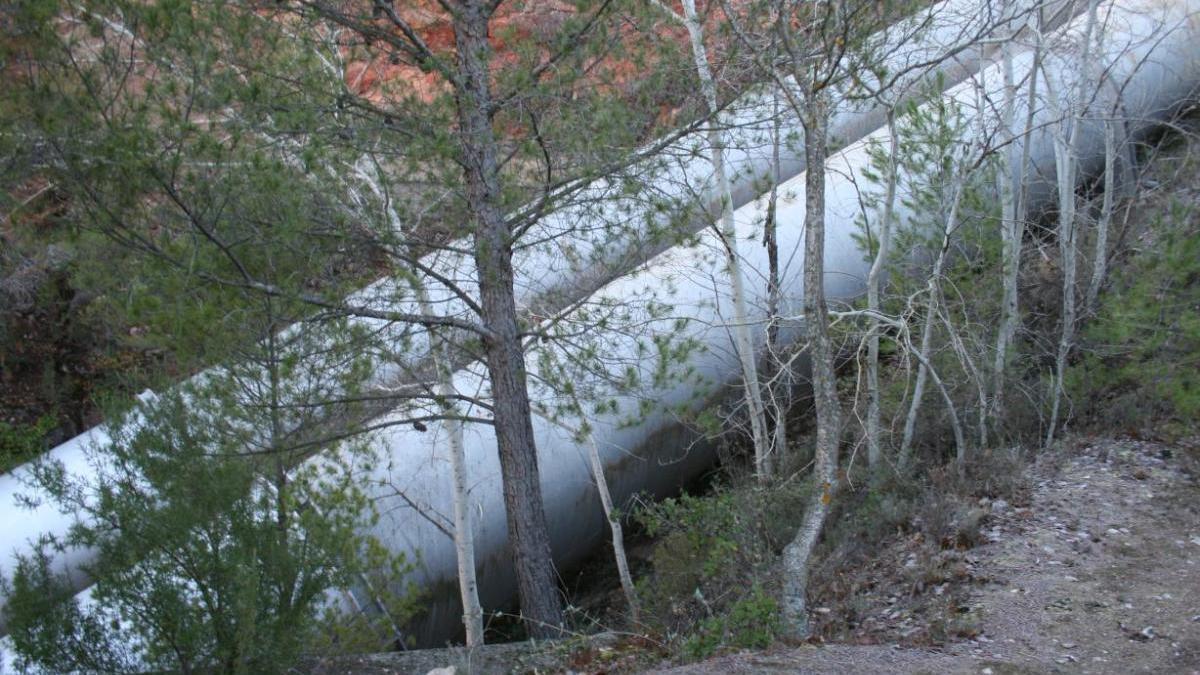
1066, 161
763, 456
1013, 192
1104, 220
812, 51
370, 174
883, 240
925, 371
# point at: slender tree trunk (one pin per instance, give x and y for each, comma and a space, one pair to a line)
797, 555
874, 445
1014, 190
1066, 154
537, 586
778, 379
1112, 183
586, 433
763, 460
614, 524
464, 534
960, 443
924, 351
964, 357
918, 396
1100, 254
279, 491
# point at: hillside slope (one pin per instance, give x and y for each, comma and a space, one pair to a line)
1099, 574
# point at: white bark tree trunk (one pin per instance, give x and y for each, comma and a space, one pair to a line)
884, 236
1013, 191
614, 524
744, 342
924, 369
585, 433
1100, 254
1066, 160
464, 539
464, 535
968, 364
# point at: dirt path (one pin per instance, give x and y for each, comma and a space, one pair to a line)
1100, 574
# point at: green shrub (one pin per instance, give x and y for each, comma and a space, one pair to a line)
751, 623
206, 560
1141, 353
20, 444
710, 550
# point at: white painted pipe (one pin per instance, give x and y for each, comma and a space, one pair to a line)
569, 262
1150, 48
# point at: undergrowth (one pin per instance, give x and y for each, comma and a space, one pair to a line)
22, 442
1140, 361
714, 571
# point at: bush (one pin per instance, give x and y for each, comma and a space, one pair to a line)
714, 555
1142, 351
751, 623
20, 444
207, 559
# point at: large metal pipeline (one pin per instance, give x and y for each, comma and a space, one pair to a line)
939, 44
1149, 58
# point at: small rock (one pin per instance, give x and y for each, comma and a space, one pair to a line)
822, 610
448, 670
1069, 645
